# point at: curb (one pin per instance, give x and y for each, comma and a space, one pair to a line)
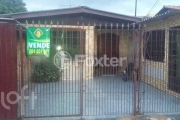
152, 117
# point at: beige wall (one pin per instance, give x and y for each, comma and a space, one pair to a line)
23, 62
89, 52
156, 73
164, 23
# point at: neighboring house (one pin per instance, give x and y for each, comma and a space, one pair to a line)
90, 31
161, 44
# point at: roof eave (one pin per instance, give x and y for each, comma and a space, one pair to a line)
70, 11
112, 15
7, 20
158, 17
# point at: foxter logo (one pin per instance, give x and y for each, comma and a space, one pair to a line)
38, 33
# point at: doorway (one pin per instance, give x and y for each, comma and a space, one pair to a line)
107, 49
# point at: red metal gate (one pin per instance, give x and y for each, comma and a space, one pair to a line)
84, 90
8, 70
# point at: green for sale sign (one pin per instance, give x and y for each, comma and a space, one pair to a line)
38, 41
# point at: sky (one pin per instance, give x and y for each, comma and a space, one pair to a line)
126, 7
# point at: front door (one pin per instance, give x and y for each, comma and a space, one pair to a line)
107, 51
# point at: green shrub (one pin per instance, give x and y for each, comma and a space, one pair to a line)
45, 71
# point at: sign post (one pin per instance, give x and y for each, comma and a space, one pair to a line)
38, 41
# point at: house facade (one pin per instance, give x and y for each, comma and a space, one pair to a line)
83, 31
97, 33
160, 58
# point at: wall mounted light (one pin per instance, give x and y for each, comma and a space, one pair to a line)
58, 48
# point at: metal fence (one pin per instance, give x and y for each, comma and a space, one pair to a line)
108, 71
160, 91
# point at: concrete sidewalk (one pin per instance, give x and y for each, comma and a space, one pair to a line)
151, 117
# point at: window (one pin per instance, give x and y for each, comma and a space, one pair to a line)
155, 45
174, 59
70, 40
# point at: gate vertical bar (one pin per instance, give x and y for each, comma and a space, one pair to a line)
134, 91
139, 70
136, 46
22, 72
81, 74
